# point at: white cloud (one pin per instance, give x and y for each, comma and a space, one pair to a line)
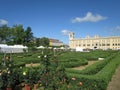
89, 18
3, 22
65, 32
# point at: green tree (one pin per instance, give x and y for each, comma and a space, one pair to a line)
5, 34
28, 36
18, 34
37, 42
44, 41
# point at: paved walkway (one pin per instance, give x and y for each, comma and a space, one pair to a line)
115, 82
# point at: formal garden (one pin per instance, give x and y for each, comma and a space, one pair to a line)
51, 69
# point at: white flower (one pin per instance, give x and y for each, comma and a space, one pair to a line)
38, 56
7, 68
9, 65
8, 72
24, 73
45, 56
73, 78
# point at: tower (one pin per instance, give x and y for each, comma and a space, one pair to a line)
71, 35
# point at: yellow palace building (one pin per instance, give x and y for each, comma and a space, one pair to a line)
96, 42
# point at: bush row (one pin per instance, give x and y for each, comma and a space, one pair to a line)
92, 55
93, 69
74, 63
98, 81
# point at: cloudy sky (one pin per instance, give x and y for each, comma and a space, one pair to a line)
56, 18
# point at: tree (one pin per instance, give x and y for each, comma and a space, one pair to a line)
28, 35
44, 41
18, 34
5, 34
37, 42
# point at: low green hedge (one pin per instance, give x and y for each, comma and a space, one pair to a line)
93, 69
109, 69
98, 81
89, 82
73, 63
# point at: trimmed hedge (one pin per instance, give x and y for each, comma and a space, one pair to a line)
98, 81
73, 63
93, 69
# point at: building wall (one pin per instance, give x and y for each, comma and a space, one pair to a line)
55, 42
97, 42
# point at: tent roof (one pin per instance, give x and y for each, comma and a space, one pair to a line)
41, 47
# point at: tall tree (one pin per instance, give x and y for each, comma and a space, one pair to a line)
2, 33
28, 35
19, 34
5, 34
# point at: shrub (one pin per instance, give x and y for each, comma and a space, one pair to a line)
73, 63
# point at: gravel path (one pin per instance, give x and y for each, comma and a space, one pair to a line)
84, 66
115, 82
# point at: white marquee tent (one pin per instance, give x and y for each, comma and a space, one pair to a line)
79, 49
41, 47
4, 48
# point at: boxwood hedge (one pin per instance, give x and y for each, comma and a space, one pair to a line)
98, 81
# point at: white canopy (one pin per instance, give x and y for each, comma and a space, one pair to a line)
4, 48
79, 49
41, 47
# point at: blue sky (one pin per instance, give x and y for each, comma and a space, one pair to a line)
56, 18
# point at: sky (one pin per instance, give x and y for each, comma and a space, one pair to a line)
56, 18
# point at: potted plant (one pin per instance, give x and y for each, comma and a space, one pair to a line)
30, 78
9, 82
7, 74
6, 80
2, 81
36, 78
26, 80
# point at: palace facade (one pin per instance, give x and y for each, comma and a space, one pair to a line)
96, 42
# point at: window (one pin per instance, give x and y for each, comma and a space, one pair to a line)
103, 44
88, 44
115, 44
108, 44
84, 45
